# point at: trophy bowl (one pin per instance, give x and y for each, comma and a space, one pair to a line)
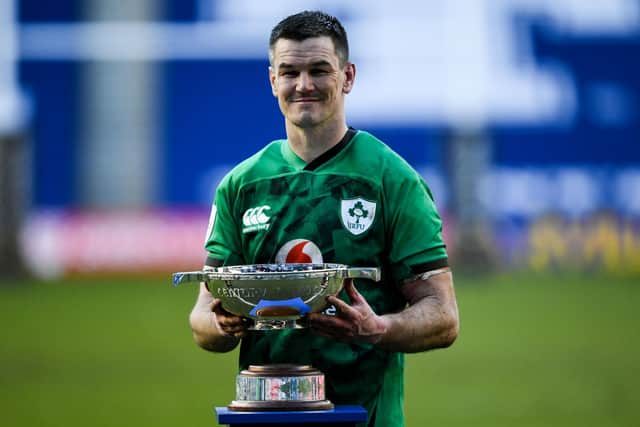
275, 295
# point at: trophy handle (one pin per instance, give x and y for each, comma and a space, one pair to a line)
189, 276
370, 273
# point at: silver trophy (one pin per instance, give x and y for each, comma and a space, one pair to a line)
275, 296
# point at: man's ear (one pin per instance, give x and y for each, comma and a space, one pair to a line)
350, 77
272, 80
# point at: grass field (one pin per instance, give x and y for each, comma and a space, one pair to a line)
533, 351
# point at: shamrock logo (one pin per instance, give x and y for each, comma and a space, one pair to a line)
357, 215
358, 211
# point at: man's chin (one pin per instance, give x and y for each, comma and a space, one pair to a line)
305, 122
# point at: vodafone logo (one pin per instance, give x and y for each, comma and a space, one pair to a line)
299, 251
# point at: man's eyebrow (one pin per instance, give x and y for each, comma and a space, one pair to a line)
321, 63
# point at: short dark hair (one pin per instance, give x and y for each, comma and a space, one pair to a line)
308, 24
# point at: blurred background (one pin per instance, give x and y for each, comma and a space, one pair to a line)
118, 119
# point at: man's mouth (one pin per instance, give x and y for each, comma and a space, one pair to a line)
306, 99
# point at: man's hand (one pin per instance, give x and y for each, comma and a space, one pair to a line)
214, 328
429, 321
354, 322
229, 323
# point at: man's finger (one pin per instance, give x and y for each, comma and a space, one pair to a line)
215, 305
336, 332
332, 325
230, 320
352, 292
232, 329
343, 308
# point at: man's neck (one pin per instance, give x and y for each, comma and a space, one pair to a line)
308, 144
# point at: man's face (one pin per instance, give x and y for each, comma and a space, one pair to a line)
309, 82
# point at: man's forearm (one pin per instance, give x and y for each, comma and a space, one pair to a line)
431, 319
425, 325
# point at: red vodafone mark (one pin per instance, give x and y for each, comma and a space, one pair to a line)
296, 254
299, 251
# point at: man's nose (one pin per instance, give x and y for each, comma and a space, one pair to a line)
305, 82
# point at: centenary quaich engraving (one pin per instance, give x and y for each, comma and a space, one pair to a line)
230, 291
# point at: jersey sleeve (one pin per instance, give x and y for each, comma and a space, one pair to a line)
222, 241
416, 230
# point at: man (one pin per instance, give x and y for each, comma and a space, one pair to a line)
330, 193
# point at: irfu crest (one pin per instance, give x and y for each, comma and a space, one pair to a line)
357, 215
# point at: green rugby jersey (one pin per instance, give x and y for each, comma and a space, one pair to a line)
358, 204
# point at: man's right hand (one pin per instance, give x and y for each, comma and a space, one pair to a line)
214, 328
229, 323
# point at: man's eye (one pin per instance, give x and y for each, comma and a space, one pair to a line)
290, 73
319, 72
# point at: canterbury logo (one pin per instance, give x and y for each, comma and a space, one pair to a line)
255, 219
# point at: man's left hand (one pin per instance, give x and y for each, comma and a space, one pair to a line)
354, 322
